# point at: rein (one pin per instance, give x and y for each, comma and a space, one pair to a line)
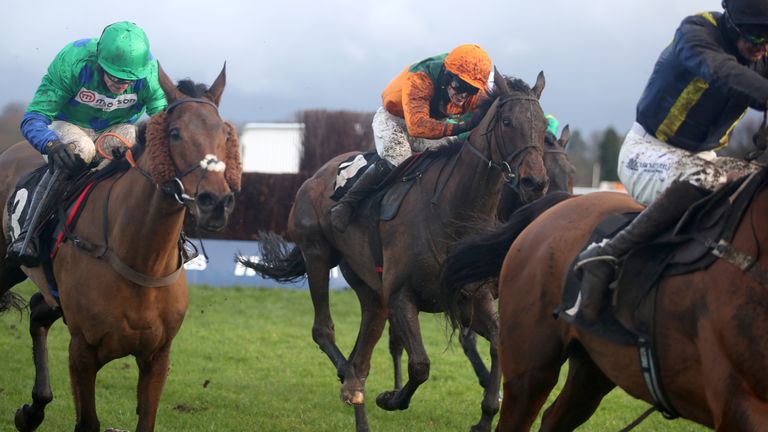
510, 165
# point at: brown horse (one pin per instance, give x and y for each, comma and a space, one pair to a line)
414, 243
710, 325
131, 297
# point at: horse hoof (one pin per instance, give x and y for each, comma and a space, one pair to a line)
352, 397
115, 430
480, 428
26, 421
357, 398
384, 400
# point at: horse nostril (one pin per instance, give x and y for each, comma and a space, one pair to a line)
206, 200
532, 184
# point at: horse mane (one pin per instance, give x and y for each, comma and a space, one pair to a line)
477, 258
153, 137
517, 85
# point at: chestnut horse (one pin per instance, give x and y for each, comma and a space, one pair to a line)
470, 178
710, 324
131, 299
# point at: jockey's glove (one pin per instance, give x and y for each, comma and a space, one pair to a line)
60, 156
469, 124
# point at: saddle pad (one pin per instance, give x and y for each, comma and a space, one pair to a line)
350, 170
18, 203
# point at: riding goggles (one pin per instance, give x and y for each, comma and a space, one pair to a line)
462, 87
749, 37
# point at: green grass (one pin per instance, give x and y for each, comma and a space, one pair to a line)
245, 361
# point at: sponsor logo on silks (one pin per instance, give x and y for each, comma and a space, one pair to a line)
105, 103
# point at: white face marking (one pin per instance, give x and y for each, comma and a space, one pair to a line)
212, 163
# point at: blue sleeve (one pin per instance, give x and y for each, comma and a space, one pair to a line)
34, 127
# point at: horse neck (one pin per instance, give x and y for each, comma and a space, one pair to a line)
144, 224
473, 188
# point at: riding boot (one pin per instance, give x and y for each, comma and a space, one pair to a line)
342, 211
25, 247
596, 266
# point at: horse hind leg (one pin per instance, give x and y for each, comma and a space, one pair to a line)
318, 264
41, 317
584, 388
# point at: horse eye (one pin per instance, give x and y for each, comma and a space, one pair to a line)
174, 134
506, 122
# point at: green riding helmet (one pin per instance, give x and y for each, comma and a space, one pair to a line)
123, 51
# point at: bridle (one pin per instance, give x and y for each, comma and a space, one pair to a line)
174, 187
510, 164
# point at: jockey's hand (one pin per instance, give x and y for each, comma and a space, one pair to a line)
119, 151
61, 157
468, 125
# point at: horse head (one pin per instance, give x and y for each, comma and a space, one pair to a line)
513, 131
559, 168
193, 149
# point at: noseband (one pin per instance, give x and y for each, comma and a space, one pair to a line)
510, 165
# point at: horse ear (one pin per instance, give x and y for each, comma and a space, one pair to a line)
217, 88
169, 88
539, 87
500, 81
565, 136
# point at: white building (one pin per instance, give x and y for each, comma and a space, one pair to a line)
271, 147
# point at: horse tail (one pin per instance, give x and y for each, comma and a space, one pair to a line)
277, 262
10, 300
478, 258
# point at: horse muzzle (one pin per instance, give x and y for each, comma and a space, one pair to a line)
212, 211
532, 188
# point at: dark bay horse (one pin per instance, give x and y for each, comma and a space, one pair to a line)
560, 173
414, 243
710, 325
132, 298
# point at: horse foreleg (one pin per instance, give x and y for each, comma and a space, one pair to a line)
153, 371
41, 317
361, 419
83, 366
404, 318
396, 351
485, 322
468, 340
584, 388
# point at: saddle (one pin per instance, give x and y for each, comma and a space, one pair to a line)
63, 218
693, 244
384, 204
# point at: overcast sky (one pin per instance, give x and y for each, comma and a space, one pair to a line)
285, 56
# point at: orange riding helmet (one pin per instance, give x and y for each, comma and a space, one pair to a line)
470, 63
